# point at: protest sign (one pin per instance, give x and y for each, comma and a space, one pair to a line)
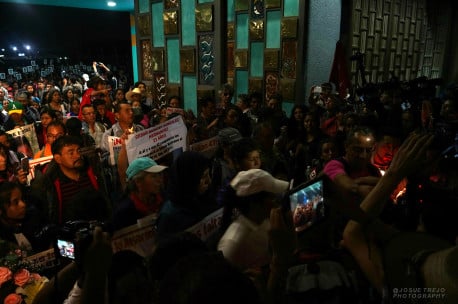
207, 147
37, 162
169, 111
157, 141
25, 139
208, 226
114, 146
42, 260
139, 237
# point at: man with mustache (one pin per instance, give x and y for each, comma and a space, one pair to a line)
67, 176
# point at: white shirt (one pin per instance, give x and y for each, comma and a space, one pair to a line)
246, 244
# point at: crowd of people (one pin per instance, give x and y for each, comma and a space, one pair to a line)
389, 185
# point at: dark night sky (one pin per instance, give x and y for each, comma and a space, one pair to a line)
80, 34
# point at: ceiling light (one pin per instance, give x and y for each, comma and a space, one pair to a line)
111, 3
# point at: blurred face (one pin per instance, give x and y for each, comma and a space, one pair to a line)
385, 150
251, 161
53, 133
88, 114
23, 100
45, 120
205, 181
273, 104
225, 97
254, 103
119, 95
298, 114
16, 117
4, 141
101, 109
328, 151
136, 97
3, 161
100, 86
174, 103
231, 118
69, 94
209, 110
151, 183
142, 87
41, 85
329, 103
359, 152
55, 97
70, 157
30, 89
125, 114
75, 106
16, 207
308, 122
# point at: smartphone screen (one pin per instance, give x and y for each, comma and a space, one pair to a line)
66, 249
307, 204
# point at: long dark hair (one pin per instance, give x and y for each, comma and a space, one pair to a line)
184, 177
6, 188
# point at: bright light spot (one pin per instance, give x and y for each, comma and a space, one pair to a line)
14, 48
21, 54
27, 47
3, 50
111, 3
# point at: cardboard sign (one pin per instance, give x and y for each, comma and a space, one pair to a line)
207, 147
42, 260
26, 140
157, 141
114, 146
208, 226
139, 237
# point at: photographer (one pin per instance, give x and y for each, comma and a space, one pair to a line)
83, 281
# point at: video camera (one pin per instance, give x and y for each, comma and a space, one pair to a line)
74, 237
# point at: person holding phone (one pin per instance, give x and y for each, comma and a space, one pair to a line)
10, 167
253, 193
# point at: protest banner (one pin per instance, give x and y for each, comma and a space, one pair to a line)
25, 139
157, 141
114, 146
138, 237
169, 111
208, 226
37, 162
207, 147
42, 260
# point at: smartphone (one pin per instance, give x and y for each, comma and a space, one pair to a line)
66, 249
307, 204
25, 164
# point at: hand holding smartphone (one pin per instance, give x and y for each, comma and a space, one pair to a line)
25, 164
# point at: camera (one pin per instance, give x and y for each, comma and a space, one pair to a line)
74, 237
